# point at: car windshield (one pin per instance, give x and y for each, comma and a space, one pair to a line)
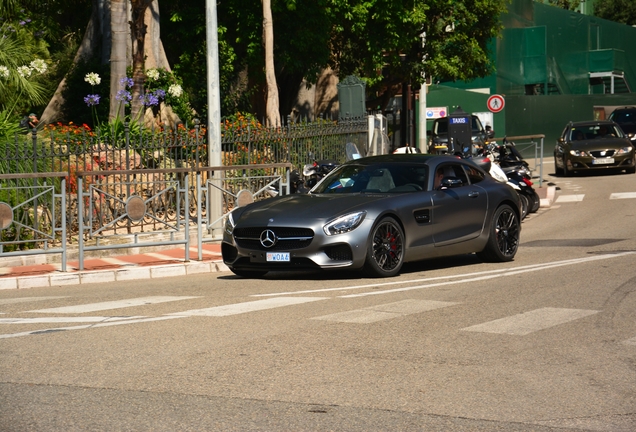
377, 178
623, 117
580, 133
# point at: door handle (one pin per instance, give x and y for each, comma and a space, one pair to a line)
473, 194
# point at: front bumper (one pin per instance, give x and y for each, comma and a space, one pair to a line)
578, 163
245, 252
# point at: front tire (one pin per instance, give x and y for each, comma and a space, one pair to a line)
385, 250
503, 236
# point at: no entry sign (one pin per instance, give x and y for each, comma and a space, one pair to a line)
496, 103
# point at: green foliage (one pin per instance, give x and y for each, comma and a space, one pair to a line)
620, 11
563, 4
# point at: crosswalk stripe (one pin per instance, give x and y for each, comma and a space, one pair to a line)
118, 304
623, 195
385, 311
253, 306
570, 198
529, 322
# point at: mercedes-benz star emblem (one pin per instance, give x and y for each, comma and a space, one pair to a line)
268, 238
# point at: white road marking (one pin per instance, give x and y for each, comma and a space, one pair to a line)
47, 320
529, 322
570, 198
29, 299
107, 324
239, 308
507, 271
623, 195
385, 311
117, 304
631, 341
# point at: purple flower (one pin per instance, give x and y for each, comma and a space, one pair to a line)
92, 99
160, 93
126, 82
150, 99
123, 96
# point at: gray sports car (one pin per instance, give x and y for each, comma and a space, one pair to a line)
375, 214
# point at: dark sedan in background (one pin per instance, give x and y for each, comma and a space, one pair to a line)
593, 145
375, 214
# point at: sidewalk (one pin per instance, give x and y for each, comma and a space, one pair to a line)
151, 265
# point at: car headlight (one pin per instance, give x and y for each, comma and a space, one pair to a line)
578, 153
624, 150
345, 223
229, 224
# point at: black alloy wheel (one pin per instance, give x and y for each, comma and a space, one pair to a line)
503, 240
385, 253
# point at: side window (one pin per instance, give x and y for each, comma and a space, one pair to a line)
450, 170
474, 175
460, 174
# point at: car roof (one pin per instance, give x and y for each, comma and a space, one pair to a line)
592, 123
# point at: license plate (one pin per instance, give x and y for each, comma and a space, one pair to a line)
603, 161
277, 256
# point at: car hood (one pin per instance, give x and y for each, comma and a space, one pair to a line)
607, 143
305, 207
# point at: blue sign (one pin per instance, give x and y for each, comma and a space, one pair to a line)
459, 120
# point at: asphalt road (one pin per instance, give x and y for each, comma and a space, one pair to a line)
544, 343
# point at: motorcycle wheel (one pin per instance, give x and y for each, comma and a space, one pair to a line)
534, 202
524, 206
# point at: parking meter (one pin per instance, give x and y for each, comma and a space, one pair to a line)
459, 131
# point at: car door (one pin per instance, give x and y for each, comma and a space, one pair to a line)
458, 211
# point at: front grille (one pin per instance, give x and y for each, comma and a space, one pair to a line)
280, 232
287, 238
608, 153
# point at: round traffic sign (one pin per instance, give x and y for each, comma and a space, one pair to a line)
496, 103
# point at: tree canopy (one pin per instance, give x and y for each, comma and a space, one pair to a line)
380, 41
621, 11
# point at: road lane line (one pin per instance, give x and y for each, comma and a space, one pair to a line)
257, 305
47, 320
540, 266
117, 304
509, 272
529, 322
385, 311
28, 299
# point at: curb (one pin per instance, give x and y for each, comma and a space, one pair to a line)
59, 278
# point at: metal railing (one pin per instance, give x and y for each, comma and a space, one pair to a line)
531, 147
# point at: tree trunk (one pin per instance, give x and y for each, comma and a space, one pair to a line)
118, 17
138, 35
272, 106
90, 42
